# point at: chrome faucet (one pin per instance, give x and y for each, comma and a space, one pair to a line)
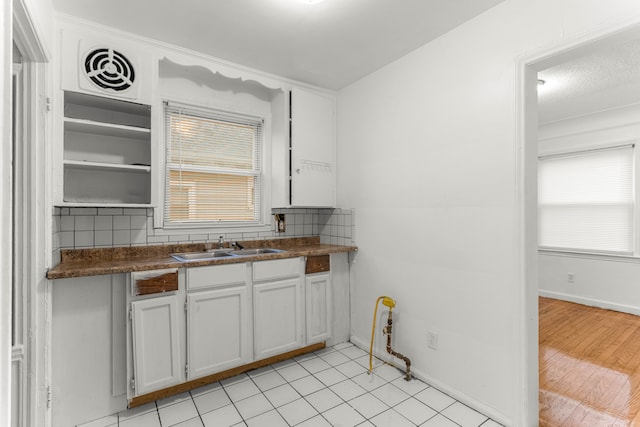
237, 245
221, 243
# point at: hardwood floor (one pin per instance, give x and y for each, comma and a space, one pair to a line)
589, 363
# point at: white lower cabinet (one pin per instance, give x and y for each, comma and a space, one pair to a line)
278, 306
278, 317
219, 317
318, 307
217, 330
156, 331
157, 352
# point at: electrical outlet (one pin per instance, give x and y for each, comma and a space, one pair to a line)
571, 277
280, 225
432, 340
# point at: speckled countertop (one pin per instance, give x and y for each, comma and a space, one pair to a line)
92, 262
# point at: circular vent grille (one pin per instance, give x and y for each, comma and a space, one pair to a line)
109, 69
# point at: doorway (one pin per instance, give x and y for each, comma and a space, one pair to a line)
532, 69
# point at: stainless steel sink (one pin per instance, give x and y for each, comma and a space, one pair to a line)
200, 256
221, 253
259, 251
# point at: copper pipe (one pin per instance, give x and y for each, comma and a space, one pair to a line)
406, 360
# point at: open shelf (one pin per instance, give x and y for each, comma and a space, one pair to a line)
107, 110
78, 164
96, 185
107, 152
106, 129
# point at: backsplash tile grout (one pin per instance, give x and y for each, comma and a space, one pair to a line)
83, 228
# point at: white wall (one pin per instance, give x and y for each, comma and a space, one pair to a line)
427, 157
606, 282
41, 16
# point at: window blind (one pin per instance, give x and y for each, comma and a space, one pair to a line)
213, 167
586, 201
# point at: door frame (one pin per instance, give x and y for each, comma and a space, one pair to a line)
25, 245
526, 295
6, 80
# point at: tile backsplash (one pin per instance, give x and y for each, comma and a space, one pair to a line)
80, 228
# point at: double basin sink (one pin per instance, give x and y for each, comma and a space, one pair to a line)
223, 253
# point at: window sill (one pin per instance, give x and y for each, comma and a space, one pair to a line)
590, 255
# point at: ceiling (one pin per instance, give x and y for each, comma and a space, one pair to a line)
331, 44
602, 78
334, 43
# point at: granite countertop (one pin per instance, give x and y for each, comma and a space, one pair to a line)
92, 262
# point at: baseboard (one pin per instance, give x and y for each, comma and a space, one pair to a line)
590, 302
456, 394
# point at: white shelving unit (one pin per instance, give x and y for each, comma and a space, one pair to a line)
107, 152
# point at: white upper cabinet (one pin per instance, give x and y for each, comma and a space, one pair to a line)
312, 164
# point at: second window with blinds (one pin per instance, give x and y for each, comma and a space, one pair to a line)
586, 201
213, 173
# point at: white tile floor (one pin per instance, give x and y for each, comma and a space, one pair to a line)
330, 387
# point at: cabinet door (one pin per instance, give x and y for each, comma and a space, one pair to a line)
156, 343
217, 330
318, 307
278, 317
312, 149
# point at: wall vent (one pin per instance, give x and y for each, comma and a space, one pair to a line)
98, 64
109, 69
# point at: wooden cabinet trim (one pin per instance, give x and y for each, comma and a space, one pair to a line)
317, 264
157, 284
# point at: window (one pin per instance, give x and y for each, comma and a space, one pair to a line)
586, 201
213, 168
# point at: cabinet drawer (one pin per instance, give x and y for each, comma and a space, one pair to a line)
216, 275
154, 282
275, 269
317, 264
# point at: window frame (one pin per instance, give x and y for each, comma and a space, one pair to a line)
263, 224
